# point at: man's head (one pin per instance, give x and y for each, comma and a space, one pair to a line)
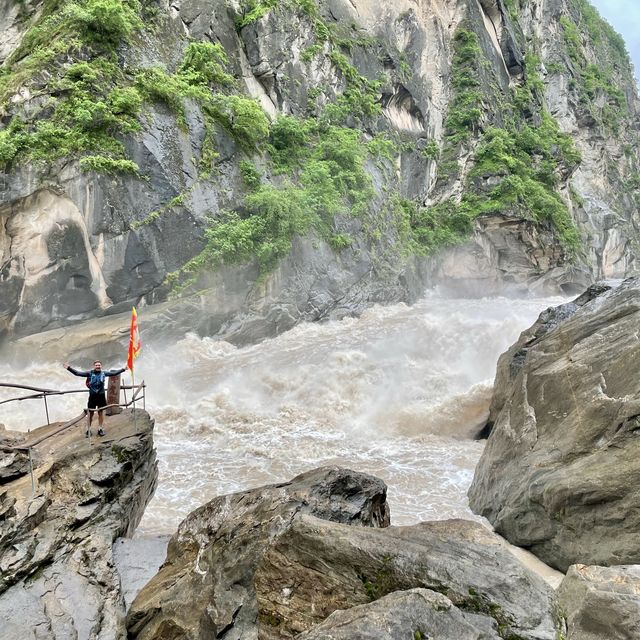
97, 365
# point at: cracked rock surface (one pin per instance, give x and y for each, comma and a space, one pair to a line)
277, 561
561, 471
58, 579
601, 602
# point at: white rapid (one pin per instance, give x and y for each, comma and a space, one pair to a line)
395, 393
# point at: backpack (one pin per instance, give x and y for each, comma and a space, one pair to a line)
90, 378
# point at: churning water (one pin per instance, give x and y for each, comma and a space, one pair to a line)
395, 393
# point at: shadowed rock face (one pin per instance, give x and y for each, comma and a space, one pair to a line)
72, 246
57, 575
561, 470
601, 602
276, 561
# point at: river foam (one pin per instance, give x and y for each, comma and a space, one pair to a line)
396, 393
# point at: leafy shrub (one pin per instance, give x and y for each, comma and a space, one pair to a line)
125, 101
465, 111
204, 63
250, 175
107, 21
340, 241
242, 117
113, 166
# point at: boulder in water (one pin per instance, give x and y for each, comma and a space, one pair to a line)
561, 471
275, 562
206, 583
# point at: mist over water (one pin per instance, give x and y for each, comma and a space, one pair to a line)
395, 393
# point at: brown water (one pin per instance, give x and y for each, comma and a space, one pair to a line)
394, 393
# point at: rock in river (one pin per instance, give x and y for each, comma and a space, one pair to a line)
275, 562
561, 471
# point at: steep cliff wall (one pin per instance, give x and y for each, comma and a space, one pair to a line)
301, 160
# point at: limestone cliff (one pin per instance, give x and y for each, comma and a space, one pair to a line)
299, 159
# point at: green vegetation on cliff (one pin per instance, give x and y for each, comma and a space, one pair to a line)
595, 79
517, 167
304, 172
68, 58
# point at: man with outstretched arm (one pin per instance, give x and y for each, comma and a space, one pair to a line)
97, 397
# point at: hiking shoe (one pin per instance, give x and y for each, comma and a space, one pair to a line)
100, 432
87, 433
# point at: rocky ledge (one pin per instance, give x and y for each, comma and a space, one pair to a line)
601, 602
315, 556
561, 471
57, 573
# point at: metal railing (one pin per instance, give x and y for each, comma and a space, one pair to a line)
139, 393
45, 393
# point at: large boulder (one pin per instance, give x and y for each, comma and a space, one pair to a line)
274, 562
57, 575
206, 583
561, 470
317, 567
418, 614
601, 602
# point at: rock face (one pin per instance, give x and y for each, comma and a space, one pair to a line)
58, 578
225, 539
561, 468
77, 244
277, 561
418, 613
601, 602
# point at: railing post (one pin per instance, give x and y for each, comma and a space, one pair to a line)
113, 395
87, 425
46, 408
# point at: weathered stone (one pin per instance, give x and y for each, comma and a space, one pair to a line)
317, 567
57, 573
561, 471
13, 464
510, 362
417, 614
601, 602
274, 562
206, 583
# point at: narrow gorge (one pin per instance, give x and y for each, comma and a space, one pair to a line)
385, 261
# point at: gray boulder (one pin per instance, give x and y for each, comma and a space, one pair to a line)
561, 471
601, 602
317, 567
276, 561
206, 583
57, 575
418, 614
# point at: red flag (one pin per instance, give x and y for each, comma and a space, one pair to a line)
134, 340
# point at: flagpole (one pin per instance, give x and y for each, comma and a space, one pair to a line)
133, 384
134, 348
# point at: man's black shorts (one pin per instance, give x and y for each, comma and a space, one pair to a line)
97, 400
